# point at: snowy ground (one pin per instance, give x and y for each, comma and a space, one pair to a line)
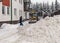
44, 31
9, 33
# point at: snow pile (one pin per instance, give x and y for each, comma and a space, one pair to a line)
8, 33
44, 31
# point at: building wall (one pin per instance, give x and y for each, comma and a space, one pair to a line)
3, 17
26, 8
26, 15
19, 8
23, 12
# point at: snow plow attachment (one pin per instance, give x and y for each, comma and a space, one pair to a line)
33, 20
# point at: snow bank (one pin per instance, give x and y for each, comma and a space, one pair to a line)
8, 33
44, 31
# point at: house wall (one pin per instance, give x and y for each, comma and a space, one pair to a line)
7, 17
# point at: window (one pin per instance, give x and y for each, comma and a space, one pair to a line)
15, 0
7, 10
15, 11
3, 10
20, 1
0, 0
20, 12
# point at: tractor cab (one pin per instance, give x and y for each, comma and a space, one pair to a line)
33, 17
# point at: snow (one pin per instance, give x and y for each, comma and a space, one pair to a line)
9, 32
44, 31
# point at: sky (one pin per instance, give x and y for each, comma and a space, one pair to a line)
45, 1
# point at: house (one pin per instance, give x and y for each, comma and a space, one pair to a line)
17, 11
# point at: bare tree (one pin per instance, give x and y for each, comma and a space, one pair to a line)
56, 5
47, 7
52, 7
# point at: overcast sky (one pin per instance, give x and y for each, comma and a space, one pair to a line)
45, 1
